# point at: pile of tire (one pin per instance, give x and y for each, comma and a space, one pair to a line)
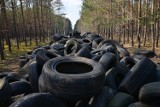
86, 71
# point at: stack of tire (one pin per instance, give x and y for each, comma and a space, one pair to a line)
87, 71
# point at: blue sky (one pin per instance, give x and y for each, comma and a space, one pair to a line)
72, 9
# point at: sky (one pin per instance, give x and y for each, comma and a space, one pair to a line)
72, 9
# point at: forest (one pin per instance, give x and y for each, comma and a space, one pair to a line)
127, 21
30, 21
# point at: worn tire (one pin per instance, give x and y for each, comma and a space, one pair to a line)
140, 104
108, 60
150, 93
103, 99
20, 87
62, 74
33, 76
115, 75
84, 52
43, 57
143, 72
71, 46
147, 53
38, 100
5, 90
128, 62
121, 100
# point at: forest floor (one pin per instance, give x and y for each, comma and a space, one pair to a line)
12, 59
11, 62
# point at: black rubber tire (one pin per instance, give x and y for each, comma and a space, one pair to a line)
62, 74
121, 49
25, 69
103, 99
20, 87
35, 51
57, 46
147, 53
33, 76
128, 62
143, 72
3, 74
71, 46
97, 52
12, 77
111, 48
29, 55
108, 60
84, 52
140, 104
82, 103
23, 61
121, 100
43, 57
138, 57
5, 90
96, 57
150, 93
56, 37
38, 100
158, 73
87, 41
25, 78
92, 36
96, 42
115, 75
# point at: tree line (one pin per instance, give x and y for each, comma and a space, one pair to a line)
30, 21
128, 21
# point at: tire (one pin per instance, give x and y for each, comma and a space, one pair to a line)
62, 74
36, 51
84, 52
142, 73
147, 53
121, 100
25, 69
29, 55
111, 48
158, 73
140, 104
82, 103
33, 76
71, 46
12, 77
57, 46
56, 37
103, 99
96, 52
87, 41
5, 90
3, 74
108, 60
115, 75
43, 57
20, 87
96, 58
128, 62
38, 100
121, 49
96, 42
23, 61
150, 93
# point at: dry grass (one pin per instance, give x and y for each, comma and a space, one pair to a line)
11, 62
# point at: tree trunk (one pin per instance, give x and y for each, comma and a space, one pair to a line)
5, 24
15, 22
24, 24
